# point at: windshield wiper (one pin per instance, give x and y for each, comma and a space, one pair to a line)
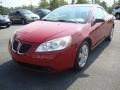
68, 21
48, 20
62, 21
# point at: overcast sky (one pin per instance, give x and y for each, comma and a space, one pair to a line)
15, 3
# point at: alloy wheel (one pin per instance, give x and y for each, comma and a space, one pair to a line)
83, 55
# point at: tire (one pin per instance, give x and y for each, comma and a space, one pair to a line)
11, 21
117, 16
109, 38
8, 26
82, 56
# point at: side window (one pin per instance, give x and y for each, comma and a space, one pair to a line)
17, 13
98, 13
117, 7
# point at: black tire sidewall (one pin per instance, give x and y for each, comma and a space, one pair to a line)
109, 37
76, 64
116, 16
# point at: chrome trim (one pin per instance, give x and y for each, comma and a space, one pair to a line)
18, 48
12, 45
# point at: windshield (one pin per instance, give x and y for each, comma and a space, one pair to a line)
26, 12
69, 13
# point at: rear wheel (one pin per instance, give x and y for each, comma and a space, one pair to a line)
82, 56
117, 16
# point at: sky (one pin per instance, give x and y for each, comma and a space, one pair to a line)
16, 3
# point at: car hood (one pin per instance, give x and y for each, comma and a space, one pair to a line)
4, 19
40, 31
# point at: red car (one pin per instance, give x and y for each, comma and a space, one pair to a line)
63, 39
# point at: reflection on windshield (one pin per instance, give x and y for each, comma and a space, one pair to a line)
69, 14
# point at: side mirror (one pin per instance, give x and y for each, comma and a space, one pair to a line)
99, 20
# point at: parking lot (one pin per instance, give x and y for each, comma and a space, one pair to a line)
101, 73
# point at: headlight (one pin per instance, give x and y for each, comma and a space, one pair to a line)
53, 45
8, 20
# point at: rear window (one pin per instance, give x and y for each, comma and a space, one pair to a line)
117, 7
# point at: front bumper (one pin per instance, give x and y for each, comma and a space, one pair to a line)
57, 61
5, 23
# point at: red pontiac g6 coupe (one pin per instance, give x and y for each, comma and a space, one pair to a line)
63, 39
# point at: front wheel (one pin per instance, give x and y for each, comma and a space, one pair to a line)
8, 26
82, 56
109, 38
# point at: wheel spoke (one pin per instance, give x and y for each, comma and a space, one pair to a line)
83, 55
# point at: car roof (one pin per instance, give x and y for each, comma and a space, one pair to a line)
22, 9
19, 10
86, 5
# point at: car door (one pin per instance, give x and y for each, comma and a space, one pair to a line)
109, 23
18, 16
97, 32
12, 16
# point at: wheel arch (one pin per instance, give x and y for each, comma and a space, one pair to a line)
89, 42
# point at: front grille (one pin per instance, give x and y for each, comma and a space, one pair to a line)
15, 45
24, 48
20, 47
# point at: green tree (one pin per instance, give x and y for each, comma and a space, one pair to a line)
82, 1
118, 2
4, 10
62, 2
54, 4
73, 1
44, 4
57, 3
97, 1
103, 4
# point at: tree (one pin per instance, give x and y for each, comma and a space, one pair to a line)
118, 2
97, 1
4, 10
103, 4
82, 1
53, 4
73, 1
44, 4
62, 2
